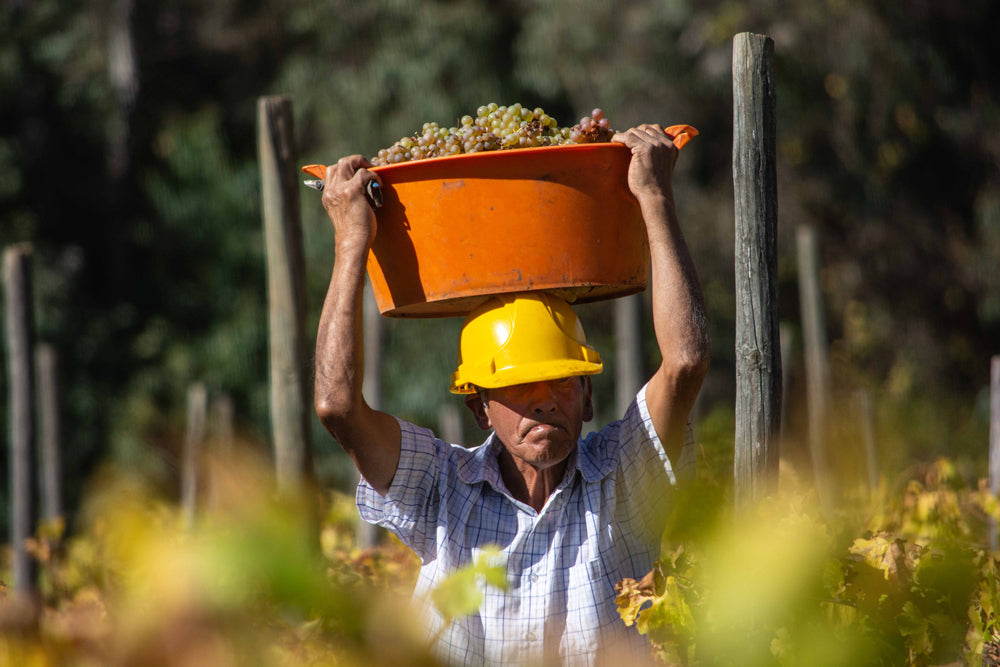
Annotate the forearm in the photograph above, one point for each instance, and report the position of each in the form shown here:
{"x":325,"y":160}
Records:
{"x":680,"y":324}
{"x":679,"y":318}
{"x":340,"y":342}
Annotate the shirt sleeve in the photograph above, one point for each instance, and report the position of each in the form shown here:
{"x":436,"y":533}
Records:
{"x":409,"y":507}
{"x":685,"y":466}
{"x":645,"y":472}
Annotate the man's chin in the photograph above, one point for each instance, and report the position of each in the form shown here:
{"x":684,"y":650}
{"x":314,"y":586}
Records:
{"x":548,"y":451}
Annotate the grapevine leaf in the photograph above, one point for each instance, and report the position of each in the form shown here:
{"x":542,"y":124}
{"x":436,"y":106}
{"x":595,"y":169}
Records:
{"x":461,"y":592}
{"x":915,"y":629}
{"x":458,"y":595}
{"x":490,"y":564}
{"x":884,"y":554}
{"x":630,"y":599}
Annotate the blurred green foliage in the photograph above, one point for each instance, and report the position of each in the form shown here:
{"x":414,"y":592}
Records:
{"x":902,"y":578}
{"x":136,"y":181}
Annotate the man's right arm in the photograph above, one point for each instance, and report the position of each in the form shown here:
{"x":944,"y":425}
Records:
{"x":370,"y":437}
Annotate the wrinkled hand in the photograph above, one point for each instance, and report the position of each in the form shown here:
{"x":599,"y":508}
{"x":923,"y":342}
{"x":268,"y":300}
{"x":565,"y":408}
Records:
{"x":654,"y":155}
{"x":345,"y":202}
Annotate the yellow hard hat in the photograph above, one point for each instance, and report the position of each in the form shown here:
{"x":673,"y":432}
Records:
{"x":518,"y":338}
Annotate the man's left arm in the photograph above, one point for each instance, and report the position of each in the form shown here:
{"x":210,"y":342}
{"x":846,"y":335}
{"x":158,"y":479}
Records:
{"x":678,"y":307}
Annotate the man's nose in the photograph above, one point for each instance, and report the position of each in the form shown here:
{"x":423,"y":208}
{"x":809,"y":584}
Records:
{"x":542,"y":399}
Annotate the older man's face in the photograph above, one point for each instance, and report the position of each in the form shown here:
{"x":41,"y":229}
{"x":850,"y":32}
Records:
{"x":538,"y":422}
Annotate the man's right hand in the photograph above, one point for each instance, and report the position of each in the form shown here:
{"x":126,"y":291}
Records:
{"x":347,"y":205}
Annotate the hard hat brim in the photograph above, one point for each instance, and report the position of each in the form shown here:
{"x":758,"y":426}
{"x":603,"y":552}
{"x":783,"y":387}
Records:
{"x":467,"y":380}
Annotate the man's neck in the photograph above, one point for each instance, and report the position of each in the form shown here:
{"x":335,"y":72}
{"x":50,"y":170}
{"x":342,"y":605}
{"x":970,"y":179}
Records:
{"x":527,"y":483}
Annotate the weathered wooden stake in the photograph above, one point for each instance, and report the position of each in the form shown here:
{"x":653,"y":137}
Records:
{"x":758,"y":354}
{"x":291,"y":404}
{"x":47,"y":364}
{"x":220,"y":447}
{"x":197,"y":407}
{"x":223,"y":424}
{"x":866,"y":419}
{"x":369,"y":535}
{"x":787,"y":344}
{"x":21,"y":383}
{"x":373,"y":349}
{"x":628,"y":351}
{"x":994,"y":441}
{"x":817,"y":361}
{"x":450,"y":424}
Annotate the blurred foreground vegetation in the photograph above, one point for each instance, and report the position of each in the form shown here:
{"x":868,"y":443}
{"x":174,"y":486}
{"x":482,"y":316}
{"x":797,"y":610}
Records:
{"x":900,"y":576}
{"x":128,"y":158}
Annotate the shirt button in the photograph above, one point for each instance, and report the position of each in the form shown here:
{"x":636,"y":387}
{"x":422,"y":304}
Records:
{"x":532,"y":577}
{"x":530,"y":636}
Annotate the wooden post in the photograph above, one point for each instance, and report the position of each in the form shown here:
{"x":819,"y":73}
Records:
{"x":223,"y":429}
{"x":994,"y":441}
{"x":373,"y":349}
{"x":21,"y":374}
{"x":817,"y":362}
{"x":220,"y":447}
{"x":291,"y":404}
{"x":866,"y":419}
{"x":197,"y":407}
{"x":369,"y":535}
{"x":628,"y":351}
{"x":758,"y":354}
{"x":47,"y":364}
{"x":450,"y":424}
{"x":787,"y":345}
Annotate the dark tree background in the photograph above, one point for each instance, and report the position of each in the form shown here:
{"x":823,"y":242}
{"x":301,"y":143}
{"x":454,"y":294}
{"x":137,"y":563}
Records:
{"x":127,"y":157}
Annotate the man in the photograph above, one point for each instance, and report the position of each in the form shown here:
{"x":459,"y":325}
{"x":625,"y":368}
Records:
{"x":571,"y":516}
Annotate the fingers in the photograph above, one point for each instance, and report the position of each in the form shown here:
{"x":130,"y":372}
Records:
{"x":650,"y":134}
{"x":350,"y":176}
{"x":347,"y":168}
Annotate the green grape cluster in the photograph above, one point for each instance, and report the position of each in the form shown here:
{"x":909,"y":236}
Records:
{"x":494,"y":128}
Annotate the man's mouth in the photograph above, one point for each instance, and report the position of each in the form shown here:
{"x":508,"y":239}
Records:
{"x":543,"y":427}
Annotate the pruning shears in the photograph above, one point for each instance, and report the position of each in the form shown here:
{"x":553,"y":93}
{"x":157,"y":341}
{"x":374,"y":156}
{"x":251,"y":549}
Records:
{"x":372,"y":189}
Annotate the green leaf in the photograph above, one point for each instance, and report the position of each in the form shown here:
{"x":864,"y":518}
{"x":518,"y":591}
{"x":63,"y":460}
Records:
{"x":458,"y":595}
{"x":491,"y":565}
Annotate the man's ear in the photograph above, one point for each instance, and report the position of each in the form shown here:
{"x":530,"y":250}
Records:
{"x":475,"y":403}
{"x":588,"y":402}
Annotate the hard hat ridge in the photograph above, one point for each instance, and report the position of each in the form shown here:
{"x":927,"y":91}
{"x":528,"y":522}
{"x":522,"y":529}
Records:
{"x":518,"y":338}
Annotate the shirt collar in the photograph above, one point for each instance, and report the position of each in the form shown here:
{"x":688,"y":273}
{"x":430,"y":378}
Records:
{"x":482,"y":463}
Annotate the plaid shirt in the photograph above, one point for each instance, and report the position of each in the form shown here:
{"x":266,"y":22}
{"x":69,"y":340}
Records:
{"x":599,"y":526}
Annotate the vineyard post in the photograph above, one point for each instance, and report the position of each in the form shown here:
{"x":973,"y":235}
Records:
{"x":628,"y":351}
{"x":223,"y":436}
{"x":21,"y":376}
{"x":866,"y":419}
{"x":291,"y":403}
{"x":197,"y":407}
{"x":758,"y":354}
{"x":994,"y":441}
{"x":817,"y":361}
{"x":368,"y":535}
{"x":450,"y":423}
{"x":787,"y":345}
{"x":47,"y":364}
{"x":220,"y":446}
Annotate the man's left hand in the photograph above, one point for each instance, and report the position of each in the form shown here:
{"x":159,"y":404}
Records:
{"x":654,"y":155}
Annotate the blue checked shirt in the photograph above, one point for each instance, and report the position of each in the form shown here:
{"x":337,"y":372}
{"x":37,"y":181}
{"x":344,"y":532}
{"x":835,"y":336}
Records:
{"x":599,"y":526}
